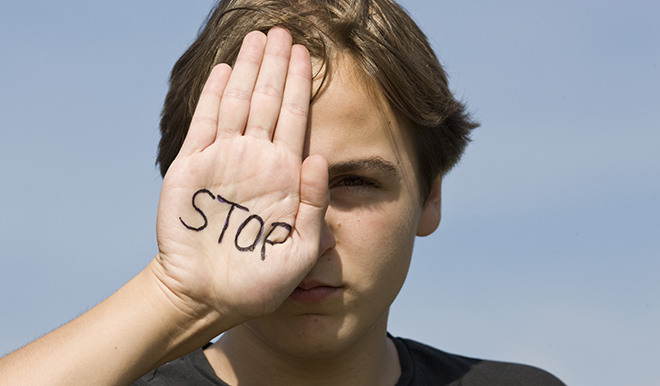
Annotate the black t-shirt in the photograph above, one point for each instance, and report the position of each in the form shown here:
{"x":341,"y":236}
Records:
{"x":421,"y":365}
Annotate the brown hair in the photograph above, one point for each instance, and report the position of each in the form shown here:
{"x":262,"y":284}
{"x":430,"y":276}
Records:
{"x":383,"y":41}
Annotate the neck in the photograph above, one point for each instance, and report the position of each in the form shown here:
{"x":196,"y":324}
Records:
{"x":371,"y":360}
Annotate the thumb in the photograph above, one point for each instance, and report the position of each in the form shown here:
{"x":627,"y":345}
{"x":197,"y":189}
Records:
{"x":314,"y":198}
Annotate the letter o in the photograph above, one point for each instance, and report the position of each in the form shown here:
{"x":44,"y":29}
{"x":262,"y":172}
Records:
{"x":256,"y":240}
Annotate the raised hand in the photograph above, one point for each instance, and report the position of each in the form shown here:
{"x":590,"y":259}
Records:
{"x":240,"y":213}
{"x":239,"y":224}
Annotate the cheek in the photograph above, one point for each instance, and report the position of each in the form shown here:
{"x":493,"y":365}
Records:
{"x":375,"y":247}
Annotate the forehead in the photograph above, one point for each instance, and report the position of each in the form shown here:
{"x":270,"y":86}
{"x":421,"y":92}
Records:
{"x":351,"y":120}
{"x":346,"y":98}
{"x":346,"y":76}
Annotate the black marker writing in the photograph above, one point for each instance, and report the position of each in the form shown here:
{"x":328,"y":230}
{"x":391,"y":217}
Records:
{"x":271,"y":242}
{"x":253,"y":217}
{"x":256,"y":240}
{"x":206,"y":221}
{"x":233,"y":205}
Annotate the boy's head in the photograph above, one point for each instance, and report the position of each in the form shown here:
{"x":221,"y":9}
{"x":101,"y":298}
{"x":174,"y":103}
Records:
{"x":390,"y":52}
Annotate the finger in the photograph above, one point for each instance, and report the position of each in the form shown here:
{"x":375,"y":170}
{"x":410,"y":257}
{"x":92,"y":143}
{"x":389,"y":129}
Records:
{"x":292,"y":122}
{"x":314,"y":198}
{"x":236,"y":98}
{"x":267,"y":95}
{"x":204,"y":124}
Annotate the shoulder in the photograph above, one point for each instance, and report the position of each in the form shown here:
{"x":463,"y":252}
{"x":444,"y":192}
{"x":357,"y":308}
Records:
{"x":192,"y":369}
{"x":424,"y":365}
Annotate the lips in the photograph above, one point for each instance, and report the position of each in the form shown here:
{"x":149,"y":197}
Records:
{"x":311,"y":290}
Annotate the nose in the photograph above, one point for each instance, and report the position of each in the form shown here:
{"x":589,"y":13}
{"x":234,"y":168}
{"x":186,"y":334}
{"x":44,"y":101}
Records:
{"x":327,"y":239}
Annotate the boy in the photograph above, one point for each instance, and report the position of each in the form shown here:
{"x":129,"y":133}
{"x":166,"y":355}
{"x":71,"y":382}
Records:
{"x":285,"y":224}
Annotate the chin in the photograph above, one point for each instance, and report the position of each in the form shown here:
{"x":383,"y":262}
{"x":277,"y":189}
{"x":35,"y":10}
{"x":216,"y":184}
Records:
{"x":310,"y":337}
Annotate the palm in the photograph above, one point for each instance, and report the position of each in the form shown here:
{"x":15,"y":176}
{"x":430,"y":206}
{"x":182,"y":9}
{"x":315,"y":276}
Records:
{"x":234,"y":231}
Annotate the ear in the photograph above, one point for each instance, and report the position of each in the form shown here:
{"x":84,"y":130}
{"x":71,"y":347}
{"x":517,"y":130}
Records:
{"x":431,"y":211}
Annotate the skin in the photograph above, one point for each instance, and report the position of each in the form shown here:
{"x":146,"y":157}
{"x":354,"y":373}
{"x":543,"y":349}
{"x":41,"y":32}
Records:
{"x":373,"y":216}
{"x":253,"y":141}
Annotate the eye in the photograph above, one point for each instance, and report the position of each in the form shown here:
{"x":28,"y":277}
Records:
{"x":355,"y":182}
{"x":350,"y":190}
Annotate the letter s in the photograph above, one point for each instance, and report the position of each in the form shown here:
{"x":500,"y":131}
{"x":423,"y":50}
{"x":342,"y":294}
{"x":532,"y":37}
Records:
{"x":206,"y":221}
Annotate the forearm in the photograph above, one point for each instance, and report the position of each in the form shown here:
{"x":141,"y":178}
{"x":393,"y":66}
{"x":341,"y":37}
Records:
{"x":133,"y":331}
{"x":201,"y":286}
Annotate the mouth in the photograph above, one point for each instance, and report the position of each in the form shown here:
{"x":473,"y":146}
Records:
{"x":313,"y":294}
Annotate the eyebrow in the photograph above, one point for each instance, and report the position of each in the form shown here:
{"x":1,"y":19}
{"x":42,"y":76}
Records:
{"x":375,"y":164}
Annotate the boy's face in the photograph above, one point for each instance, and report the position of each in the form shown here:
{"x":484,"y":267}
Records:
{"x":374,"y":213}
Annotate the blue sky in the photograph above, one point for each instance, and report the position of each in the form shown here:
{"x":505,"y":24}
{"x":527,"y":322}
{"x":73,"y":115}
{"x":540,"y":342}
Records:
{"x":549,"y":248}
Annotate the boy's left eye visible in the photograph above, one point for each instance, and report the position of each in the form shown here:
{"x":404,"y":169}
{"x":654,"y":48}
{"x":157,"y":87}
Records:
{"x":355,"y":181}
{"x":354,"y":190}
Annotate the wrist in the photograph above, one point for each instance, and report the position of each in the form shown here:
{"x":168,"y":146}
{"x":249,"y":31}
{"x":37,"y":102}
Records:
{"x":177,"y":325}
{"x":135,"y":330}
